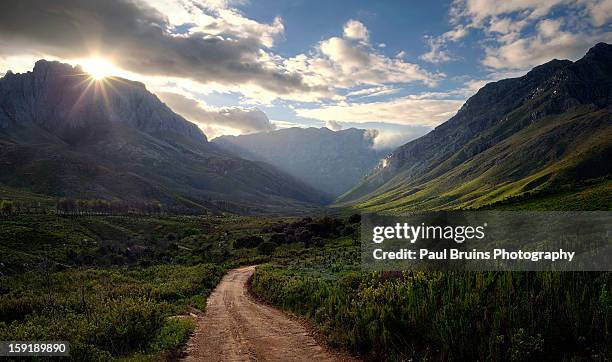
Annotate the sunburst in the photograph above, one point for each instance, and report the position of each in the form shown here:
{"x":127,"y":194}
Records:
{"x":98,"y":68}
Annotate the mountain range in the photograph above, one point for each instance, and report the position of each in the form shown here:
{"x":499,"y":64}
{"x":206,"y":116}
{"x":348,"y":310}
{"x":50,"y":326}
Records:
{"x":331,"y":161}
{"x":64,"y":134}
{"x":539,"y":133}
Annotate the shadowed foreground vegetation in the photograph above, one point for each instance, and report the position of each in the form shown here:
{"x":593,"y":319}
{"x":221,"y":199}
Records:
{"x":507,"y":316}
{"x":113,"y":286}
{"x":458,"y":316}
{"x":105,"y":313}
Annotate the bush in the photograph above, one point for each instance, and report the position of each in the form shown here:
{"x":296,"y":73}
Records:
{"x":278,"y":238}
{"x":247,"y":242}
{"x":354,"y":219}
{"x":266,"y":248}
{"x":172,"y":335}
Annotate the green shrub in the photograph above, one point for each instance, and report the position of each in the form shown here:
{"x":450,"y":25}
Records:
{"x":172,"y":335}
{"x":266,"y":248}
{"x":248,"y":242}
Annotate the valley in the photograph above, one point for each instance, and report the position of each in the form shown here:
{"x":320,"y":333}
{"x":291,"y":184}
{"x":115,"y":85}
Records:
{"x":127,"y":232}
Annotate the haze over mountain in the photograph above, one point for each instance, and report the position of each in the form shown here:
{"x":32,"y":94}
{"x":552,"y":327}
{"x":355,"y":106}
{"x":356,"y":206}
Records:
{"x":537,"y":133}
{"x":62,"y":133}
{"x":331,"y":161}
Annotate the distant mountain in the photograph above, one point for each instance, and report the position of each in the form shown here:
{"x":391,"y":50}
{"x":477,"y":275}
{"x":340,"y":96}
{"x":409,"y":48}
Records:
{"x":538,"y":133}
{"x":332,"y":162}
{"x":65,"y":134}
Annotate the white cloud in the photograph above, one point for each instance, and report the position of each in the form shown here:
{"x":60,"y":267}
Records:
{"x":346,"y":62}
{"x":547,"y":43}
{"x":436,"y":54}
{"x":354,"y":29}
{"x":333,"y":125}
{"x":525,"y":33}
{"x":215,"y":121}
{"x":391,"y":139}
{"x":372,"y":92}
{"x":425,"y":110}
{"x":437,"y":45}
{"x":206,"y":42}
{"x":285,"y":124}
{"x":217,"y":18}
{"x":478,"y":11}
{"x":599,"y":11}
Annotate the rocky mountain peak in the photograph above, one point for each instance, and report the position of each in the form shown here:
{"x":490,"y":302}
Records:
{"x":58,"y":96}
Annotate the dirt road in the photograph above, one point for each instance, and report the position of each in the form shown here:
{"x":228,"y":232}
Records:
{"x":235,"y":327}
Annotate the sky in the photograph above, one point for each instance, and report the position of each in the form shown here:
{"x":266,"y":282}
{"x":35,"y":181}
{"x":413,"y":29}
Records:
{"x":235,"y":67}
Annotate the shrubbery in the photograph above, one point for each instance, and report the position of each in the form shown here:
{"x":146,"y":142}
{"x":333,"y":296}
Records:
{"x":457,"y":316}
{"x":248,"y":242}
{"x":266,"y":248}
{"x":309,"y":231}
{"x":104,"y":313}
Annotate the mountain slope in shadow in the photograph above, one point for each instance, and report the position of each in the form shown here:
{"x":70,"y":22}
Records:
{"x":64,"y":134}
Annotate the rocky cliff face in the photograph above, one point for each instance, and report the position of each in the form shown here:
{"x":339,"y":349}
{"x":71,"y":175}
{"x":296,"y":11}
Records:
{"x":59,"y":97}
{"x":494,"y":115}
{"x":332,"y":162}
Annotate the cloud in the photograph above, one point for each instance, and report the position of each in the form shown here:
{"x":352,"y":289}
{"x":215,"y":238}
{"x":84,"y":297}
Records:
{"x":525,"y":33}
{"x":425,"y":110}
{"x":436,"y":53}
{"x":600,"y":11}
{"x":547,"y":43}
{"x":477,"y":12}
{"x":216,"y":121}
{"x":354,"y":29}
{"x":384,"y":139}
{"x":437,"y":45}
{"x":285,"y":124}
{"x":222,"y":46}
{"x":350,"y":61}
{"x":207,"y":43}
{"x":333,"y":125}
{"x":372,"y":92}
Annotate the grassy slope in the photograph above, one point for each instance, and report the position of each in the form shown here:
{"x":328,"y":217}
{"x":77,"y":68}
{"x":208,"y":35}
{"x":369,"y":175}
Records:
{"x":519,"y":164}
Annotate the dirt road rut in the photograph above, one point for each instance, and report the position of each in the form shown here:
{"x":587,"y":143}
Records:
{"x":235,"y":327}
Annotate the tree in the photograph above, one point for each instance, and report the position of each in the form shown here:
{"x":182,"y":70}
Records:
{"x":248,"y":242}
{"x":266,"y":248}
{"x":354,"y":219}
{"x":7,"y":207}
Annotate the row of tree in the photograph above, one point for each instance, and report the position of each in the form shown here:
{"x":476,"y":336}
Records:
{"x":8,"y":207}
{"x":67,"y":206}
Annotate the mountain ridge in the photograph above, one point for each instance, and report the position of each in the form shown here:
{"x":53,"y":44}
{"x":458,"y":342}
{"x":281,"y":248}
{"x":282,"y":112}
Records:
{"x":559,"y":97}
